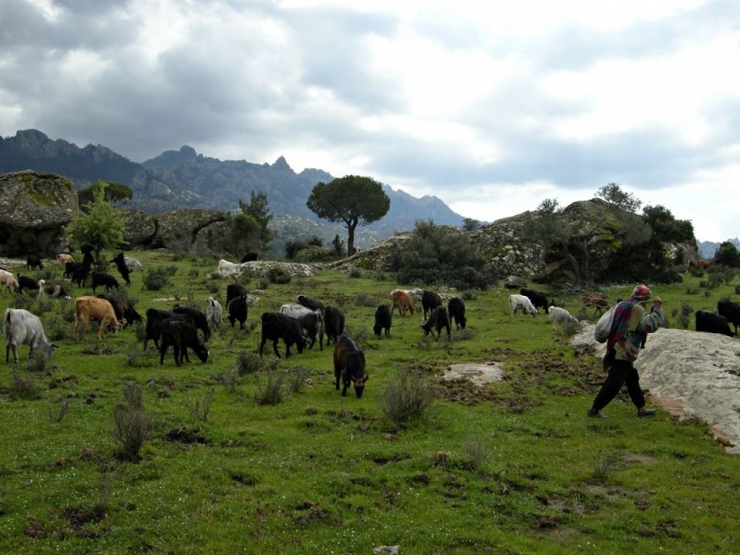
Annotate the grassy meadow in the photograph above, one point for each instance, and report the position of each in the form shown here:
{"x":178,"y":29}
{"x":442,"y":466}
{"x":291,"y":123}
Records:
{"x":249,"y":458}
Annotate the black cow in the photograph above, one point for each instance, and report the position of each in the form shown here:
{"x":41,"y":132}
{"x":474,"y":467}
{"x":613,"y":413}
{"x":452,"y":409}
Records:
{"x":33,"y":262}
{"x":181,"y":335}
{"x":711,"y":322}
{"x":276,"y":326}
{"x":430,"y":300}
{"x":249,"y":257}
{"x":101,"y":279}
{"x":438,"y":319}
{"x":456,"y":312}
{"x":333,"y":324}
{"x":383,"y":320}
{"x":197,"y":318}
{"x":349,"y":366}
{"x":120,"y":263}
{"x":539,"y":300}
{"x":237,"y":309}
{"x":312,"y":326}
{"x":25,"y":282}
{"x":313,"y":304}
{"x":731,"y":311}
{"x":234,"y":290}
{"x":80,"y":275}
{"x":124,"y":310}
{"x":155,"y":319}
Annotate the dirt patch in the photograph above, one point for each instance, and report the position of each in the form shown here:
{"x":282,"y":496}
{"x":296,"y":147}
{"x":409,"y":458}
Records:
{"x":476,"y":372}
{"x":186,"y":436}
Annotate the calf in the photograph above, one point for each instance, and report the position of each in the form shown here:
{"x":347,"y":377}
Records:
{"x":80,"y":274}
{"x":313,"y":304}
{"x":101,"y":279}
{"x":559,"y":315}
{"x":333,"y":324}
{"x":539,"y":300}
{"x":229,"y":269}
{"x":25,"y":282}
{"x":520,"y":302}
{"x":53,"y":289}
{"x":731,"y":311}
{"x":234,"y":290}
{"x":89,"y":308}
{"x":401,"y":301}
{"x":711,"y":322}
{"x":33,"y":262}
{"x":237,"y":309}
{"x":214,"y":313}
{"x":598,"y":301}
{"x":124,"y":310}
{"x":276,"y":326}
{"x":429,"y":301}
{"x":349,"y":365}
{"x":21,"y":327}
{"x":312,"y":326}
{"x":438,"y":319}
{"x":120,"y":263}
{"x":197,"y":319}
{"x":9,"y":281}
{"x":181,"y":335}
{"x":63,"y":258}
{"x":383,"y":320}
{"x":456,"y":312}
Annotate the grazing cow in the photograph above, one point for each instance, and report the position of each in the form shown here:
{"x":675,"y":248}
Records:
{"x":80,"y":275}
{"x":559,"y":315}
{"x":196,"y":318}
{"x":21,"y":327}
{"x":101,"y":279}
{"x":333,"y":324}
{"x":312,"y":326}
{"x":63,"y":258}
{"x":276,"y":326}
{"x":429,"y":301}
{"x":214,"y":313}
{"x":598,"y":301}
{"x":154,"y":321}
{"x":88,"y":308}
{"x":33,"y":262}
{"x":125,"y":312}
{"x":120,"y":263}
{"x":249,"y":257}
{"x":234,"y":290}
{"x":25,"y":282}
{"x":313,"y":304}
{"x":383,"y":320}
{"x":229,"y":269}
{"x":8,"y":280}
{"x":520,"y":302}
{"x":401,"y":301}
{"x":295,"y":310}
{"x":132,"y":264}
{"x":349,"y":366}
{"x":438,"y":320}
{"x":53,"y":289}
{"x":237,"y":309}
{"x":731,"y":311}
{"x":181,"y":335}
{"x":711,"y":322}
{"x":539,"y":299}
{"x":456,"y":312}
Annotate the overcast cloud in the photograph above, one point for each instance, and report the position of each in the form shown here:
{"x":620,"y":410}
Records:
{"x":490,"y":106}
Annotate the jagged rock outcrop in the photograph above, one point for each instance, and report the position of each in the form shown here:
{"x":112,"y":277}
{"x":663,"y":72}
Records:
{"x":39,"y":202}
{"x":178,"y":230}
{"x":140,"y":228}
{"x":689,"y":374}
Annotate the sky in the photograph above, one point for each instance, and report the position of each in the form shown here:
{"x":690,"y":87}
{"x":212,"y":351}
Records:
{"x":491,"y":106}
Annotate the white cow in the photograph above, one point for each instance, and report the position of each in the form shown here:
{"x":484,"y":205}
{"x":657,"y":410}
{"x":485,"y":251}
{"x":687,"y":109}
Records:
{"x":520,"y":302}
{"x":560,"y":316}
{"x":229,"y":269}
{"x":132,"y":264}
{"x":295,"y":310}
{"x":20,"y":327}
{"x":8,"y":280}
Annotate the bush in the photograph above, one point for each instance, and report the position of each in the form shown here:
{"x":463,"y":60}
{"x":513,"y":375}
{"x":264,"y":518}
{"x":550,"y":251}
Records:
{"x":200,"y":408}
{"x":293,"y":247}
{"x":58,"y":409}
{"x":156,"y":279}
{"x":279,"y":276}
{"x":23,"y":386}
{"x":409,"y":399}
{"x":270,"y":383}
{"x":132,"y":424}
{"x":248,"y":363}
{"x":297,"y":377}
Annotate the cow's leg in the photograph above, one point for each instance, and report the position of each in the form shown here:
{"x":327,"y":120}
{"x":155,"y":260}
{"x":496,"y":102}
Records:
{"x":274,"y":348}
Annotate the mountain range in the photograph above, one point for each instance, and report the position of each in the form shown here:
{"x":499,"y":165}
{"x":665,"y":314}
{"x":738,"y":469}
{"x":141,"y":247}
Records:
{"x":185,"y":179}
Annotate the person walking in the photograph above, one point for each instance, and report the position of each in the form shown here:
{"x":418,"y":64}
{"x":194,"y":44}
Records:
{"x":630,"y":326}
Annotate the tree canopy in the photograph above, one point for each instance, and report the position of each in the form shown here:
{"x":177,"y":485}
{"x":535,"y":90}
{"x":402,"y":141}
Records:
{"x":354,"y":200}
{"x":100,"y":226}
{"x":727,"y":255}
{"x":112,"y":193}
{"x":613,"y":194}
{"x":250,"y":225}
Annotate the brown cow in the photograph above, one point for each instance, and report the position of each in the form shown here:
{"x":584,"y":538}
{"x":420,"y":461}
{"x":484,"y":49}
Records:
{"x":597,"y":301}
{"x":63,"y":258}
{"x":349,"y":365}
{"x":401,"y":301}
{"x":87,"y":308}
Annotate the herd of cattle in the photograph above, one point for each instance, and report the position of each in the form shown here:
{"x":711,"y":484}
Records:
{"x":299,"y":324}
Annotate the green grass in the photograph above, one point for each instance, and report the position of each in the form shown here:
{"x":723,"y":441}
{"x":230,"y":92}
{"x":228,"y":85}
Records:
{"x":514,"y":467}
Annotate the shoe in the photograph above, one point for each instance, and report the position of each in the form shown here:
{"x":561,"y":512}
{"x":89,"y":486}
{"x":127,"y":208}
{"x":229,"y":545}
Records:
{"x":596,"y":414}
{"x":645,"y":412}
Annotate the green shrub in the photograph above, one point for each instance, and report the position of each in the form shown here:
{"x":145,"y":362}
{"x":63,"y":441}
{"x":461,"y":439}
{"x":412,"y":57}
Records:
{"x":22,"y":385}
{"x":410,"y":398}
{"x":297,"y":377}
{"x":200,"y":408}
{"x":156,"y":279}
{"x":248,"y":363}
{"x":270,"y":384}
{"x":132,"y":424}
{"x":57,"y":409}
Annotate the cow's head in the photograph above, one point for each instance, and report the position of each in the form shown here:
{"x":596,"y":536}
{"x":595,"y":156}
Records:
{"x":359,"y":384}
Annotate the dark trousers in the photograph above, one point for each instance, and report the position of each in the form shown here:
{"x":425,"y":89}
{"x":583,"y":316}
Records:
{"x":621,"y":372}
